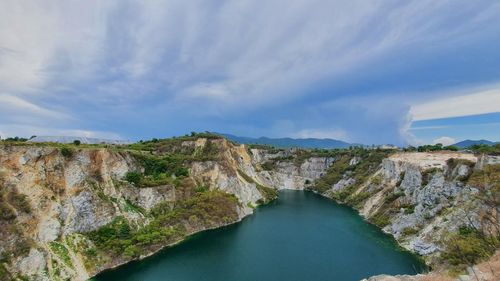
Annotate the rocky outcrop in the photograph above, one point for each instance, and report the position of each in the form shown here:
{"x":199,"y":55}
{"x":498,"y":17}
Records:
{"x":84,"y":190}
{"x":286,"y":174}
{"x":53,"y":198}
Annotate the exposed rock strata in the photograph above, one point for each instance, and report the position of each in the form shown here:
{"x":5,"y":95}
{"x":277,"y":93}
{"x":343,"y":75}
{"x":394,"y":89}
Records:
{"x":81,"y":193}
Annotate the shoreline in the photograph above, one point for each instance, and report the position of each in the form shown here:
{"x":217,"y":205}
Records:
{"x":188,"y":236}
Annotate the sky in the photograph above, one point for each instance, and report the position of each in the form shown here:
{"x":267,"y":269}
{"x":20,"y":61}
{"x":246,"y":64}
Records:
{"x":372,"y":72}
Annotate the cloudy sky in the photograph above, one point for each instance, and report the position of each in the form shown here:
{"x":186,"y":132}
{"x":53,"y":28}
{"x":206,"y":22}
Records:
{"x":361,"y":71}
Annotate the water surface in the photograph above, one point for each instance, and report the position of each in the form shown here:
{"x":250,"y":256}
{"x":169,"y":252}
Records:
{"x":301,"y":236}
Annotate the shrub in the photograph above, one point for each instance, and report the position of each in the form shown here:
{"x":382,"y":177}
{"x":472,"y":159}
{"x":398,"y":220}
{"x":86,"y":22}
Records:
{"x":77,"y":142}
{"x":133,"y":177}
{"x":66,"y":152}
{"x":6,"y":213}
{"x":409,"y":210}
{"x":268,"y":165}
{"x":393,"y":196}
{"x":268,"y":193}
{"x":203,"y":210}
{"x":182,"y":172}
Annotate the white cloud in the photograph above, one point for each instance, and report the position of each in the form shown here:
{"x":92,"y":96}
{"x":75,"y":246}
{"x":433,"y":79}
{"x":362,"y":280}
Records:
{"x":236,"y":56}
{"x":444,"y":141}
{"x":12,"y":130}
{"x":15,"y":105}
{"x":456,"y":106}
{"x":337,"y":134}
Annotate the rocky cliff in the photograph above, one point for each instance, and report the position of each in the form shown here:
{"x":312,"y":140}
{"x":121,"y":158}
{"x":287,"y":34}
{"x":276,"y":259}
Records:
{"x":69,"y":212}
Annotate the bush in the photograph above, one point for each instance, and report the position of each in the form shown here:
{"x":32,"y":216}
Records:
{"x":268,"y":193}
{"x":77,"y":142}
{"x":133,"y":177}
{"x":203,"y":210}
{"x":20,"y":202}
{"x":393,"y":196}
{"x":182,"y":172}
{"x":66,"y":152}
{"x":268,"y":165}
{"x":6,"y":213}
{"x":410,"y":210}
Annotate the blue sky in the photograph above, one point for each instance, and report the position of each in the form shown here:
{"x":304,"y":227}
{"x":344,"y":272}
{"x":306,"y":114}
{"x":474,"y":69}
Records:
{"x":361,"y":71}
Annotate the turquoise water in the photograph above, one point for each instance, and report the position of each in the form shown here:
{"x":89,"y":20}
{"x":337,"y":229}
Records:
{"x":300,"y":236}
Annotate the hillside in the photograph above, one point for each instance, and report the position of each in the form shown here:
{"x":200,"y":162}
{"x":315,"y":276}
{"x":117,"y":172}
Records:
{"x":469,"y":143}
{"x":69,"y":212}
{"x":290,"y":142}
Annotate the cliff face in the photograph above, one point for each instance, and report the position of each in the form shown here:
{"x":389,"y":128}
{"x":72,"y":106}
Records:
{"x":442,"y":205}
{"x":71,"y":213}
{"x":55,"y":200}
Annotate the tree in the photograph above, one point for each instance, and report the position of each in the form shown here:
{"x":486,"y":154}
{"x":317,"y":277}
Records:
{"x":77,"y":142}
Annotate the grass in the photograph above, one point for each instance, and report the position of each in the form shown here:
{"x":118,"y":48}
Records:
{"x":62,"y":252}
{"x":468,"y":246}
{"x":380,"y":219}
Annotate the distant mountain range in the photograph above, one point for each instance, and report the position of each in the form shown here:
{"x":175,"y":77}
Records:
{"x":67,"y":139}
{"x":291,"y":142}
{"x":468,"y":143}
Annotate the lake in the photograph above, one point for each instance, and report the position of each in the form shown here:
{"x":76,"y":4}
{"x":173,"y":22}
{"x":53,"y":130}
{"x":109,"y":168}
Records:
{"x":299,"y":237}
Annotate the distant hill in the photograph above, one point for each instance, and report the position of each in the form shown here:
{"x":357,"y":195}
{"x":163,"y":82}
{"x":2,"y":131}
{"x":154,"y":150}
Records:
{"x":68,"y":139}
{"x":468,"y":143}
{"x":291,"y":142}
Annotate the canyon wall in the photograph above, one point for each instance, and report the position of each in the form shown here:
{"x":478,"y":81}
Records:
{"x":71,"y":213}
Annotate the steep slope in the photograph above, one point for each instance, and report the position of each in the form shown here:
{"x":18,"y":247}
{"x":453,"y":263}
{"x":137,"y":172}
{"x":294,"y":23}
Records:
{"x":434,"y":204}
{"x":69,"y":212}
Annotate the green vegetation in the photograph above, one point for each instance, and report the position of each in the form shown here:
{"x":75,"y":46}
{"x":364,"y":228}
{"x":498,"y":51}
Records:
{"x":15,"y":139}
{"x":12,"y":198}
{"x":468,"y":247}
{"x":486,"y":149}
{"x":370,"y":161}
{"x":204,"y":210}
{"x":409,"y":209}
{"x":430,"y":147}
{"x":77,"y":142}
{"x":268,"y":165}
{"x":408,"y":231}
{"x":158,"y":170}
{"x":4,"y":274}
{"x":202,"y":188}
{"x":268,"y":194}
{"x":66,"y":152}
{"x":380,"y":220}
{"x":133,"y":177}
{"x":393,"y":196}
{"x":62,"y":252}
